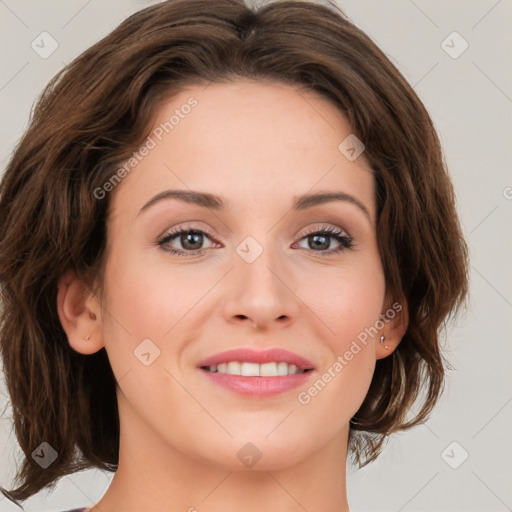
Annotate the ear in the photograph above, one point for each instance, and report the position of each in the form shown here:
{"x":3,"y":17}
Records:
{"x":395,"y":318}
{"x":80,"y":314}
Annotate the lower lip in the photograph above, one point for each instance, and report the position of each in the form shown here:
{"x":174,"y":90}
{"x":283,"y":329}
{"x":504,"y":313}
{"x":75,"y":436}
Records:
{"x":258,"y":386}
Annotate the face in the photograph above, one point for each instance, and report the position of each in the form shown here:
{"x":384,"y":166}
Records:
{"x":253,"y":267}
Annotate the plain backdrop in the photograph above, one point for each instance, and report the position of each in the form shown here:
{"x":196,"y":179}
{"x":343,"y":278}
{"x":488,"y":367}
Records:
{"x":461,"y":459}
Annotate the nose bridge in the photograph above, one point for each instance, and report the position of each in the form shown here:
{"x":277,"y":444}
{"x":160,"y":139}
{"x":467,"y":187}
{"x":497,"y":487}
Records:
{"x":260,"y":292}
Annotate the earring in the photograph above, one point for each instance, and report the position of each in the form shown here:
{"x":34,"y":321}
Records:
{"x":382,"y":338}
{"x":87,"y":338}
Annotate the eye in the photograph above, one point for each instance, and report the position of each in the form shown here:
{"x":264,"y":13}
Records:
{"x":319,"y":240}
{"x":190,"y":240}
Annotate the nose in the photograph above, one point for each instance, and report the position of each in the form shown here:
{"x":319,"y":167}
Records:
{"x":261,"y":294}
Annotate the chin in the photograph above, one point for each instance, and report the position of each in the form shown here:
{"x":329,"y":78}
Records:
{"x":258,"y":453}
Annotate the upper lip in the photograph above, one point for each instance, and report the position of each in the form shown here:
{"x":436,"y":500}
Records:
{"x":258,"y":356}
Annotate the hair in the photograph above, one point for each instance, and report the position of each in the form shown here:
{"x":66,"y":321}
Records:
{"x":96,"y":111}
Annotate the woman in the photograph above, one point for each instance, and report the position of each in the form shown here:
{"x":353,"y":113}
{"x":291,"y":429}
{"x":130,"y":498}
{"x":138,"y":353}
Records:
{"x":228,"y":243}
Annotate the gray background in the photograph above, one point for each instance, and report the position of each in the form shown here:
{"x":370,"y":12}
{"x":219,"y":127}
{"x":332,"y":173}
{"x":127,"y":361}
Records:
{"x":470,"y":101}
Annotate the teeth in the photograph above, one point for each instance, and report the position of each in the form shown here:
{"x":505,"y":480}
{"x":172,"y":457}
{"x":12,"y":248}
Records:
{"x":282,"y":369}
{"x":233,"y":368}
{"x":274,"y":369}
{"x":268,"y":370}
{"x":249,"y":370}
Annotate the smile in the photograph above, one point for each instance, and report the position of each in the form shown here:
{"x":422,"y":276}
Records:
{"x":258,"y":373}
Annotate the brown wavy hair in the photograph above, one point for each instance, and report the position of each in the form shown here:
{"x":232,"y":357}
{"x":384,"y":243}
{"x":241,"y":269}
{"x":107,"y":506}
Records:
{"x":92,"y":116}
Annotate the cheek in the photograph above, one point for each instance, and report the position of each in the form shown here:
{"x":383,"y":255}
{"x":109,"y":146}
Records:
{"x":143,"y":309}
{"x":150,"y":300}
{"x":347,"y":299}
{"x":350,"y":307}
{"x":157,"y":302}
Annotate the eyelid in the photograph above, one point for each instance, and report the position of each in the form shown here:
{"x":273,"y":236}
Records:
{"x":192,"y":227}
{"x":325,"y":227}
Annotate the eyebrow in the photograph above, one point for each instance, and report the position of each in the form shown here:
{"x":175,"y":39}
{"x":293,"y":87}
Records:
{"x":211,"y":201}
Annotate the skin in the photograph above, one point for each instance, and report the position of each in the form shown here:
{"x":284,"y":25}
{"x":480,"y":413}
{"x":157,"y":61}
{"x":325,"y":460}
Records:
{"x":180,"y":434}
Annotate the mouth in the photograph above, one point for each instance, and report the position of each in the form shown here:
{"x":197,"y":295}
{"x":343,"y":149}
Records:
{"x":258,"y":373}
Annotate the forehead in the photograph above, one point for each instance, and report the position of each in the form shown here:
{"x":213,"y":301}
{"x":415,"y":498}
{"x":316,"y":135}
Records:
{"x":248,"y":142}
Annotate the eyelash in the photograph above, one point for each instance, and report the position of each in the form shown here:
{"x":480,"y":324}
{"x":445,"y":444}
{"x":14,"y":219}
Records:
{"x":345,"y":240}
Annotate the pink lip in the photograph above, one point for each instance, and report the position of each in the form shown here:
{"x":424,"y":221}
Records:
{"x":258,"y":386}
{"x":258,"y":356}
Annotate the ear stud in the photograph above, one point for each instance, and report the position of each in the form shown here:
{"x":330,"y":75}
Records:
{"x":382,"y":338}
